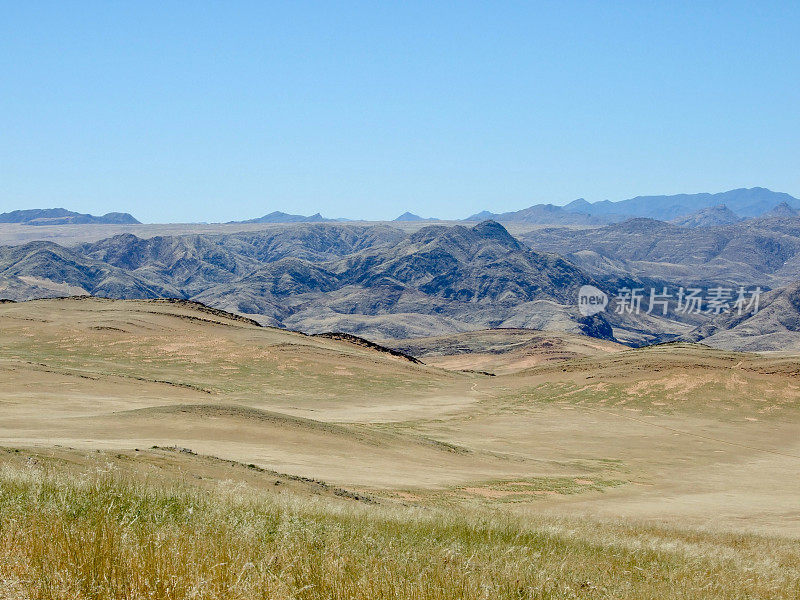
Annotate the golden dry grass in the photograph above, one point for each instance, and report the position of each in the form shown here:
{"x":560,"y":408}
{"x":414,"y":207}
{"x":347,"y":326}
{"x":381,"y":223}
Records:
{"x":105,"y":535}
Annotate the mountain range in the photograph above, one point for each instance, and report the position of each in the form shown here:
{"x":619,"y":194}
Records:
{"x":692,"y":210}
{"x":745,"y":202}
{"x":380,"y":282}
{"x":543,"y":214}
{"x":62,"y":216}
{"x":366,"y":280}
{"x":282,"y":217}
{"x":763,"y":251}
{"x":384,"y":281}
{"x":696,"y":210}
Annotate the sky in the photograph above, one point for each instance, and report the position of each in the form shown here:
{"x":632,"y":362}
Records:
{"x":218,"y":111}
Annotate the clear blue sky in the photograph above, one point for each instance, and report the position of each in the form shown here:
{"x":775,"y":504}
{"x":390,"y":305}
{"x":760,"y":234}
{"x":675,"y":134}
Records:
{"x":209,"y":111}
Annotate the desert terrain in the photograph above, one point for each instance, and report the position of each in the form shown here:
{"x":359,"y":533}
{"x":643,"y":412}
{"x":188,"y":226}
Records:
{"x":678,"y":448}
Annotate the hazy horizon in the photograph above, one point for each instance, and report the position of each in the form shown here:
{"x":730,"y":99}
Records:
{"x":358,"y":218}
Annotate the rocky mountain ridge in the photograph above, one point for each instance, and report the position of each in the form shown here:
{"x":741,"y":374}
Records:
{"x":377,"y":281}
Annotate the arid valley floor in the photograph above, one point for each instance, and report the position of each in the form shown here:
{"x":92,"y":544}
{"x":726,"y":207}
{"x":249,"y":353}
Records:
{"x":678,"y":460}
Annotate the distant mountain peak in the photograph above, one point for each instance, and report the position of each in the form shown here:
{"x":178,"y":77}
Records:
{"x":580,"y":205}
{"x":481,"y":216}
{"x":62,"y":216}
{"x":282,"y":217}
{"x":494,"y":230}
{"x":485,"y":232}
{"x":712,"y":216}
{"x":781,"y":211}
{"x":409,"y":216}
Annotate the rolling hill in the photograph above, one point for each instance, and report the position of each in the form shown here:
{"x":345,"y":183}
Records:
{"x":140,"y":438}
{"x":501,"y":351}
{"x":569,"y":426}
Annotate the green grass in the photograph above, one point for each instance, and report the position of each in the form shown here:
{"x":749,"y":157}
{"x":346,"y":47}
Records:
{"x":103,"y":536}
